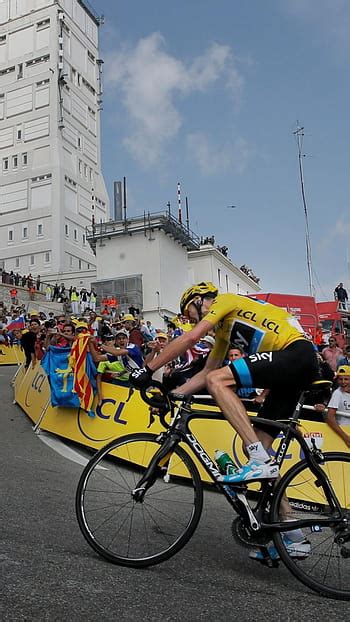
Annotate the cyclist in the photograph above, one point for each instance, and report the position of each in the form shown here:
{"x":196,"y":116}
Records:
{"x":279,"y":358}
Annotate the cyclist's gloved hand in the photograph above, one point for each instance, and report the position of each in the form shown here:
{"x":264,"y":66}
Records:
{"x":141,"y":378}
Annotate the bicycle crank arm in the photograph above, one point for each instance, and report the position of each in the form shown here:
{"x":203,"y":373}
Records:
{"x":254,"y":523}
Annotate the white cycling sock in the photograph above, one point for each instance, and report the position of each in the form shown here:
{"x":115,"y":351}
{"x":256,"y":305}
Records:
{"x":257,"y":452}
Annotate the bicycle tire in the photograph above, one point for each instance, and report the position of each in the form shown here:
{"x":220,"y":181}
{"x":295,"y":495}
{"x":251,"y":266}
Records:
{"x":326,"y":558}
{"x":132,"y":533}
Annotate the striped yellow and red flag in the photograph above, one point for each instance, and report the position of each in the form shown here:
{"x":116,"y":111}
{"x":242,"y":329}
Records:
{"x":77,"y":361}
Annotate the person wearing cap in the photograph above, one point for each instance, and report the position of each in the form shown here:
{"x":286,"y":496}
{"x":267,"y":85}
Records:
{"x":107,"y":364}
{"x":157,"y":346}
{"x":339,"y":404}
{"x":280,"y":358}
{"x":128,"y":353}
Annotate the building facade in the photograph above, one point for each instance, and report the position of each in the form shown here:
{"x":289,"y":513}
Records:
{"x":147,"y":262}
{"x":50,"y":166}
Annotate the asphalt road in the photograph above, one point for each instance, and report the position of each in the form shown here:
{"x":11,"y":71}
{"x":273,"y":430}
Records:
{"x":48,"y":572}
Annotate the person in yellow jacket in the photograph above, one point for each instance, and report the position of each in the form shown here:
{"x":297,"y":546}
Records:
{"x":75,"y":301}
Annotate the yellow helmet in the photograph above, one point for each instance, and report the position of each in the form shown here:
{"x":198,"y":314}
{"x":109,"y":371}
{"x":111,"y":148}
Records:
{"x":205,"y":288}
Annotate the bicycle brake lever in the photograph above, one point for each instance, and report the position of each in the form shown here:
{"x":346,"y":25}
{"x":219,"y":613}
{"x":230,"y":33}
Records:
{"x":130,"y":394}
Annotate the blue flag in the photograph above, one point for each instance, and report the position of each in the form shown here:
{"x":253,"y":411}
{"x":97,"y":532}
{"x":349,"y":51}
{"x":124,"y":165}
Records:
{"x":60,"y":377}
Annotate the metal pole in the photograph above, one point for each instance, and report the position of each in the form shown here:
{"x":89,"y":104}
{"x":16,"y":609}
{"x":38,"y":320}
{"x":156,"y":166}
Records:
{"x":299,"y":133}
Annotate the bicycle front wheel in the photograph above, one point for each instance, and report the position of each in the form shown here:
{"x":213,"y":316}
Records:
{"x":149,"y":530}
{"x":322,"y":562}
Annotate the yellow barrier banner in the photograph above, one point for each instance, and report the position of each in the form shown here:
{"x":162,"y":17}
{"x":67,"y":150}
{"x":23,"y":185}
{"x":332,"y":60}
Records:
{"x":118,"y":416}
{"x":11,"y":355}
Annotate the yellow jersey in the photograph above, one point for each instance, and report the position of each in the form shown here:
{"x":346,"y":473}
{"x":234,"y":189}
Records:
{"x":256,"y":325}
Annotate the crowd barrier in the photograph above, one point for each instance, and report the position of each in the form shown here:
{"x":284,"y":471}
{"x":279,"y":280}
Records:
{"x":11,"y":355}
{"x":118,"y":416}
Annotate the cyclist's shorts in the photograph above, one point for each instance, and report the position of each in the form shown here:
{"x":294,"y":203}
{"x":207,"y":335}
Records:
{"x":285,"y":372}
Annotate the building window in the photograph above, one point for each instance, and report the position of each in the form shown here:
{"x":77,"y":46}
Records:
{"x":226,"y":278}
{"x":219,"y":277}
{"x":10,"y":235}
{"x":24,"y":159}
{"x":40,"y":229}
{"x":20,"y":71}
{"x":32,"y":260}
{"x":24,"y":232}
{"x":5,"y":164}
{"x":19,"y":133}
{"x":85,"y":170}
{"x":84,"y":239}
{"x":14,"y":161}
{"x":75,"y":235}
{"x":88,"y":266}
{"x":47,"y":257}
{"x":17,"y":262}
{"x":71,"y":261}
{"x":80,"y":166}
{"x":2,"y":39}
{"x":79,"y":264}
{"x":66,"y":230}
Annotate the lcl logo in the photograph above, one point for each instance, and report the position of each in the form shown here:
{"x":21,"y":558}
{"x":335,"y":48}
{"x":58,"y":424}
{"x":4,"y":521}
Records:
{"x":38,"y":382}
{"x":117,"y":410}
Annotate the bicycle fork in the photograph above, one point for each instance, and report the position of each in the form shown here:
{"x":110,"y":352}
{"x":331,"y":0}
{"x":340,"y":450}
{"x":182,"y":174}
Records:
{"x":159,"y":459}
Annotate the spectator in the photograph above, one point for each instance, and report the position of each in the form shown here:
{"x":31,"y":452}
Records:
{"x":345,"y":360}
{"x":93,"y":300}
{"x":75,"y":301}
{"x":107,"y":364}
{"x":24,"y":281}
{"x":38,"y":283}
{"x":93,"y":323}
{"x":135,"y":335}
{"x":13,"y":295}
{"x":157,"y":346}
{"x":61,"y":293}
{"x":332,"y":353}
{"x":105,"y":310}
{"x":31,"y":290}
{"x":234,"y":352}
{"x":17,"y":279}
{"x":130,"y":354}
{"x":56,"y":291}
{"x":341,"y":295}
{"x":28,"y":341}
{"x":84,"y":300}
{"x":48,"y":293}
{"x":340,"y":403}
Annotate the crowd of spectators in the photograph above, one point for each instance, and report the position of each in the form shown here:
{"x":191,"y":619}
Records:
{"x":121,"y":342}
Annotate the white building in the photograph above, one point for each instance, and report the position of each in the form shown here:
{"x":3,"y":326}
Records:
{"x":51,"y":185}
{"x":147,"y":262}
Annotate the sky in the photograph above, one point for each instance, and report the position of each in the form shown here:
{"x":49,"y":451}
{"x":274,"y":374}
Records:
{"x":208,"y":94}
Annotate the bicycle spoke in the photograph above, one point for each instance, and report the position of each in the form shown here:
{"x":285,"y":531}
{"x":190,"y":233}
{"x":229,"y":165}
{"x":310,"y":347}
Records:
{"x":150,"y":525}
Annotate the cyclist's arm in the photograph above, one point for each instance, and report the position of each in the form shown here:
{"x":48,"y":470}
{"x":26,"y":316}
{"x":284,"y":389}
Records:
{"x":332,"y":422}
{"x":180,"y":345}
{"x":198,"y":381}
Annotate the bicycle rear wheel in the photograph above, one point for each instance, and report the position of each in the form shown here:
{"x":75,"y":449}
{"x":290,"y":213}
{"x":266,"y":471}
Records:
{"x":132,"y":532}
{"x":326,"y":565}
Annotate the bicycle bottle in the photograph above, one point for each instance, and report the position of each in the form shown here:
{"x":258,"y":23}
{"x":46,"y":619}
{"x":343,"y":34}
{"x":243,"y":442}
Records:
{"x":225,"y":464}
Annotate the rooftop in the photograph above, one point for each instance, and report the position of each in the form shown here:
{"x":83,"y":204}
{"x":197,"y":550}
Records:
{"x":98,"y":19}
{"x":146,"y":224}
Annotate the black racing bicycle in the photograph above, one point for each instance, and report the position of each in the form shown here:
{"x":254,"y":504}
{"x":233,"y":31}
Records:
{"x":139,"y":499}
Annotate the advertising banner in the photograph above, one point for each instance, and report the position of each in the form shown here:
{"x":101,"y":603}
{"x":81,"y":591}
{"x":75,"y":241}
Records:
{"x":117,"y":416}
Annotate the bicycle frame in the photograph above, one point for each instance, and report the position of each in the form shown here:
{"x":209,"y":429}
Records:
{"x":179,"y":431}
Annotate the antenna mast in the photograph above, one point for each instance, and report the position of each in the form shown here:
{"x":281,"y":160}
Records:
{"x":299,"y":134}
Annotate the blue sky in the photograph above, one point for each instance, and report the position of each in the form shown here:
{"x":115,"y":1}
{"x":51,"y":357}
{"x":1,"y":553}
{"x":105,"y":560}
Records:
{"x":208,"y":94}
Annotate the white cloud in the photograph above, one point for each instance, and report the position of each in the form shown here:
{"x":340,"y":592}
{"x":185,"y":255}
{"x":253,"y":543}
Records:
{"x":214,"y":159}
{"x":329,"y":19}
{"x":337,"y":233}
{"x":150,"y":81}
